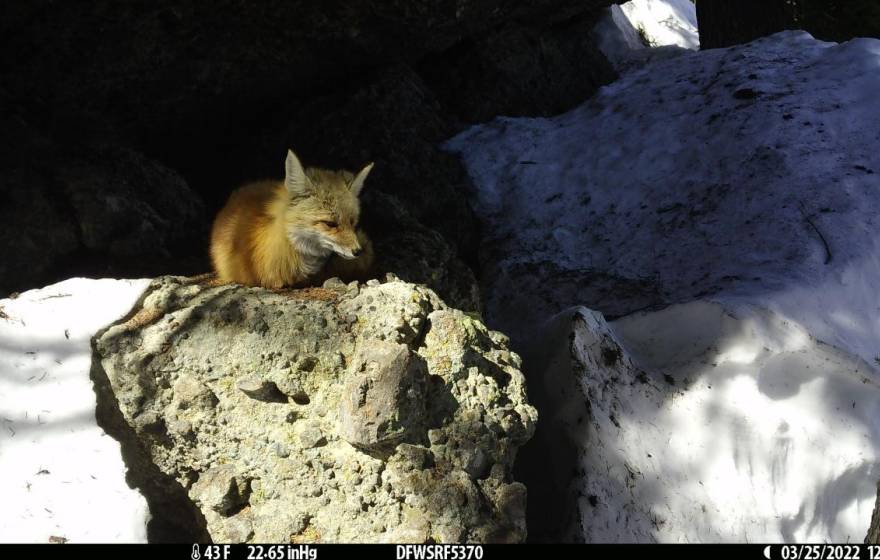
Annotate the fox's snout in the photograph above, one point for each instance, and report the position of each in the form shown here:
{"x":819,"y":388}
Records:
{"x":355,"y":246}
{"x":350,"y":253}
{"x":347,"y":247}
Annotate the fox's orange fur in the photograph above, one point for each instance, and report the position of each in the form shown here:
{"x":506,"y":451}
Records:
{"x":294,"y":232}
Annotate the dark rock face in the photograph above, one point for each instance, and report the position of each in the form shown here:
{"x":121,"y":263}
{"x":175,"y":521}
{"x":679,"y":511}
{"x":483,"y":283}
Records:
{"x":89,"y":209}
{"x":177,"y":65}
{"x":203,"y":98}
{"x":418,"y":254}
{"x":128,"y":206}
{"x":521,"y":70}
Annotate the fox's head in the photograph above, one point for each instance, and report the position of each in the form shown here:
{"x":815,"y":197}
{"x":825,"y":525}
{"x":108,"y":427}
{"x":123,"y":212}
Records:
{"x":323,"y":209}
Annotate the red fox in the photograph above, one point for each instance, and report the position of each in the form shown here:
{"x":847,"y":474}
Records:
{"x":294,"y":232}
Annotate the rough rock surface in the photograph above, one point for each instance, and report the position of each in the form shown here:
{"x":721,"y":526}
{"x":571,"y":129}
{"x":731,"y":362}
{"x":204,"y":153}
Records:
{"x":344,"y":413}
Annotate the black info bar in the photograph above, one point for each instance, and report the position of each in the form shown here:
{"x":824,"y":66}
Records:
{"x":301,"y":551}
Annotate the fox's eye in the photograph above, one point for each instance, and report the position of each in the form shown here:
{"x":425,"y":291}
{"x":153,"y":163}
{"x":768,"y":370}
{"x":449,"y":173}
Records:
{"x":329,"y":223}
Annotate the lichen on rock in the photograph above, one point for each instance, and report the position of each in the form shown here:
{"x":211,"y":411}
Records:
{"x":360,"y":413}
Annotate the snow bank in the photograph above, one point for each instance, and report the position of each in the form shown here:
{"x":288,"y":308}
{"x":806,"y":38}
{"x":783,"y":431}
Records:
{"x":62,"y":475}
{"x":743,"y":185}
{"x":625,"y":33}
{"x":705,"y":426}
{"x":664,"y":22}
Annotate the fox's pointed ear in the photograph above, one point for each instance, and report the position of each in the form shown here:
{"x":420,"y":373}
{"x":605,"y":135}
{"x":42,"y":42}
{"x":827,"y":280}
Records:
{"x":358,"y":183}
{"x":294,"y":176}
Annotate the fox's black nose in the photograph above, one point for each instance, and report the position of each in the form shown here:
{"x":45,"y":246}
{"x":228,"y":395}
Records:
{"x":357,"y":252}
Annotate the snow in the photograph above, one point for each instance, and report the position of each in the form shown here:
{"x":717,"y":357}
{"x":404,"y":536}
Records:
{"x":617,"y":38}
{"x":62,"y":475}
{"x":665,"y":22}
{"x":670,"y":26}
{"x":714,"y":427}
{"x":720,"y":209}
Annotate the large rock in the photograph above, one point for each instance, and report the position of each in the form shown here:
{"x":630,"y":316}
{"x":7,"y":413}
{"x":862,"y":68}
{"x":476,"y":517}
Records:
{"x":756,"y":211}
{"x":347,"y":413}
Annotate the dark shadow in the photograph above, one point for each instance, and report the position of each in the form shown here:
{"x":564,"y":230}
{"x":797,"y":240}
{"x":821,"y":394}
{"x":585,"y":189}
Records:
{"x":548,"y":463}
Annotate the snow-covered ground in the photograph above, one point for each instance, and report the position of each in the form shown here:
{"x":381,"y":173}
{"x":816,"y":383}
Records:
{"x":742,"y":187}
{"x":63,"y":477}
